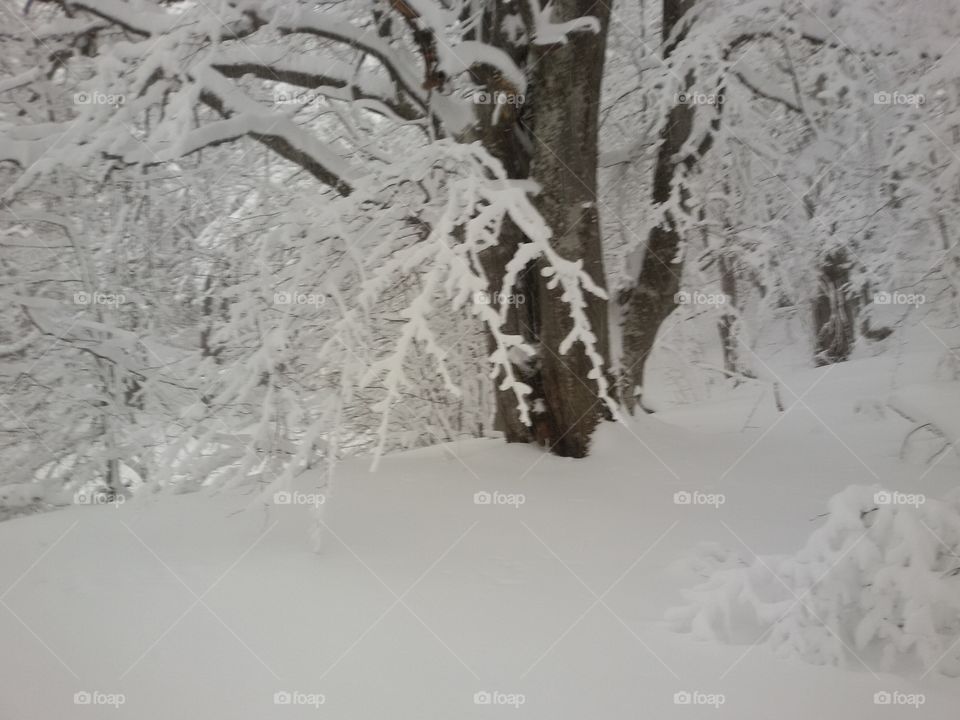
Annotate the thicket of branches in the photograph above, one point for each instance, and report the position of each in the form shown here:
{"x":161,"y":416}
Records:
{"x":244,"y":238}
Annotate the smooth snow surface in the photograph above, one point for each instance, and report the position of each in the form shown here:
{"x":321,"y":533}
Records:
{"x":551,"y":597}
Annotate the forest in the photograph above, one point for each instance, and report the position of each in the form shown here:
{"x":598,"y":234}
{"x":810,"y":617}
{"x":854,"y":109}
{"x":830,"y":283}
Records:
{"x":598,"y":358}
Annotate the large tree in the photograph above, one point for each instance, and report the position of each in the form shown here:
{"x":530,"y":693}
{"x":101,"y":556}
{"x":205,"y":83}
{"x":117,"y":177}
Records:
{"x":521,"y":79}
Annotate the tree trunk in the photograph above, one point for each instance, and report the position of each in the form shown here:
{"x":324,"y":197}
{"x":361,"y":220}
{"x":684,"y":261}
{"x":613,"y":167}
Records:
{"x":733,"y":361}
{"x":501,"y":142}
{"x":555,"y":142}
{"x":518,"y":322}
{"x":652,"y":296}
{"x":834,"y":311}
{"x":567,"y":81}
{"x":501,"y":135}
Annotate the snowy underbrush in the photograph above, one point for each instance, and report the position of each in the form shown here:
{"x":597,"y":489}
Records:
{"x":18,"y":499}
{"x":877,"y":583}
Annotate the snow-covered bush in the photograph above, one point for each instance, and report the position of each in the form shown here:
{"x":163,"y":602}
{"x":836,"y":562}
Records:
{"x":878,"y":582}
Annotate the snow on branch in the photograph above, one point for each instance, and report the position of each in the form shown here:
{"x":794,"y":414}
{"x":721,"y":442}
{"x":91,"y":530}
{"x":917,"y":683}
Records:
{"x":468,"y":53}
{"x":24,"y":78}
{"x":275,"y":64}
{"x":247,"y":117}
{"x":470,"y":198}
{"x":878,"y":582}
{"x":547,"y":32}
{"x":398,"y":62}
{"x":138,"y":20}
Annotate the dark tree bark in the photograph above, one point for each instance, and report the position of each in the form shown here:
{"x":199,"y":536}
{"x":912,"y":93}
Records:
{"x":727,"y":327}
{"x":835,"y":307}
{"x":651,"y":298}
{"x":565,"y":123}
{"x":834,"y":311}
{"x":503,"y":138}
{"x":553,"y":138}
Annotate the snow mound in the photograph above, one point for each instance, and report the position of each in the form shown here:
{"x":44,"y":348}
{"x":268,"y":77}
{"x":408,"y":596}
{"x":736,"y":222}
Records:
{"x":878,"y":582}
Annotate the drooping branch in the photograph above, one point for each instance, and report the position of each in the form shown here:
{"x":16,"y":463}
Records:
{"x":139,"y":22}
{"x":315,"y":81}
{"x":281,"y":143}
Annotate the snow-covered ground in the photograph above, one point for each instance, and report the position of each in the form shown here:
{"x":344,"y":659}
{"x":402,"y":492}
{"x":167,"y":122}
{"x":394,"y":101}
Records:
{"x":426,"y":601}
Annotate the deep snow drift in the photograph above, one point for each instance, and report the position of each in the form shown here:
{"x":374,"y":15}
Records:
{"x":468,"y":580}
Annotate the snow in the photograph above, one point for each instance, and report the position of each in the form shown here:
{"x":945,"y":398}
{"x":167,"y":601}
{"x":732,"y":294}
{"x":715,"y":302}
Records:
{"x":24,"y":153}
{"x":877,"y":581}
{"x":133,"y":16}
{"x":934,"y":403}
{"x":23,"y":78}
{"x":281,"y":62}
{"x":547,"y":594}
{"x":803,"y":522}
{"x":253,"y":119}
{"x":18,"y":495}
{"x":547,"y":32}
{"x":456,"y":114}
{"x":469,"y":53}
